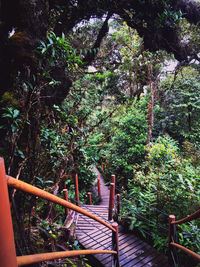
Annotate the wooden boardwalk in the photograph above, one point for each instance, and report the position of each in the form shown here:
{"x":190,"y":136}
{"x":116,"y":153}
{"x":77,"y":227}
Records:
{"x":133,"y":251}
{"x":93,"y":235}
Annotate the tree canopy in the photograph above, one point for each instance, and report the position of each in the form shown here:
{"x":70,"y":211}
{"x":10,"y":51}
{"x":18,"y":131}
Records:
{"x":158,"y":22}
{"x":84,"y":82}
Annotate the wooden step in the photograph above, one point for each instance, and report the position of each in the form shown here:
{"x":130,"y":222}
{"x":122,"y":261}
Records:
{"x":133,"y":251}
{"x":93,"y":235}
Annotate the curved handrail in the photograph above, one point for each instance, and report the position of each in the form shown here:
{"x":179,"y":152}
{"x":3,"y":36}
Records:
{"x":190,"y":217}
{"x":30,"y":259}
{"x":172,"y":223}
{"x":18,"y":184}
{"x":186,"y":250}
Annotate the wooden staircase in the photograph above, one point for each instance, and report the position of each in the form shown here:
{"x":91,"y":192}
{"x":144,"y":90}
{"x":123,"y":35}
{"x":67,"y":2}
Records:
{"x":133,"y":251}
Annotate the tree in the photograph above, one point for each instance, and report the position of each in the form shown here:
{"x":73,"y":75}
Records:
{"x":126,"y":146}
{"x":156,"y":21}
{"x":179,"y":99}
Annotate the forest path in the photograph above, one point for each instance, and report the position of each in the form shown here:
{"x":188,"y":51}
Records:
{"x":92,"y":235}
{"x":104,"y":189}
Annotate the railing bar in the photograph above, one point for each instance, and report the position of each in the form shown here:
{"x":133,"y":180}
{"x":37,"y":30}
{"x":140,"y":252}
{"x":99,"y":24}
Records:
{"x":152,"y":236}
{"x":29,"y":259}
{"x":141,"y":201}
{"x":144,"y":218}
{"x":177,"y":240}
{"x":186,"y":250}
{"x":18,"y":184}
{"x":172,"y":254}
{"x":190,"y":217}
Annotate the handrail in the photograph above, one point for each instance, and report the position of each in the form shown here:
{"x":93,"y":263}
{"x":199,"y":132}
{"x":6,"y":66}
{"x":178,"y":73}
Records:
{"x":190,"y":217}
{"x":172,"y":236}
{"x":186,"y":250}
{"x":8,"y":255}
{"x":172,"y":221}
{"x":30,"y":259}
{"x":18,"y":184}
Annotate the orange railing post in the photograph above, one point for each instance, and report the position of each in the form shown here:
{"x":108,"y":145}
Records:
{"x":65,"y":196}
{"x":113,"y":178}
{"x":76,"y":189}
{"x":99,"y":187}
{"x":89,"y":198}
{"x":7,"y":243}
{"x":113,"y":182}
{"x":171,"y":236}
{"x":111,"y":201}
{"x":115,"y":245}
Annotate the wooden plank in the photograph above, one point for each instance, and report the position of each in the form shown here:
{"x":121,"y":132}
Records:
{"x":128,"y":245}
{"x":94,"y":234}
{"x":97,"y":244}
{"x":160,"y":260}
{"x":99,"y":236}
{"x":106,"y":260}
{"x":86,"y":219}
{"x":132,"y":254}
{"x":122,"y":252}
{"x":133,"y":251}
{"x":127,"y":241}
{"x":139,"y":259}
{"x":148,"y":257}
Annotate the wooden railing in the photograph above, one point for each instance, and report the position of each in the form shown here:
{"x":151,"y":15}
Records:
{"x":172,"y":243}
{"x":172,"y":222}
{"x":8,"y":256}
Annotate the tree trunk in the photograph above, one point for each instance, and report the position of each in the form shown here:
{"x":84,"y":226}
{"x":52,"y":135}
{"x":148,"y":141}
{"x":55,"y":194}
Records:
{"x":150,"y":115}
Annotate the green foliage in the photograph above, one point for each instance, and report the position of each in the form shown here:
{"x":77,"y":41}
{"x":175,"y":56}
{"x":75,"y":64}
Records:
{"x":179,"y":102}
{"x":58,"y":50}
{"x":12,"y":117}
{"x":127,"y":145}
{"x":93,"y":148}
{"x":168,"y":17}
{"x":40,"y":183}
{"x":189,"y":235}
{"x":167,"y":182}
{"x":163,"y":151}
{"x":63,"y":140}
{"x":47,"y":144}
{"x":108,"y":84}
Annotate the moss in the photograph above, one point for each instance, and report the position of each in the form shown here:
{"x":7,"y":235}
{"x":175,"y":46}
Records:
{"x":8,"y":99}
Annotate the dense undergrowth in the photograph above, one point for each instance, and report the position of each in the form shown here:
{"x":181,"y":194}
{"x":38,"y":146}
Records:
{"x":167,"y":181}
